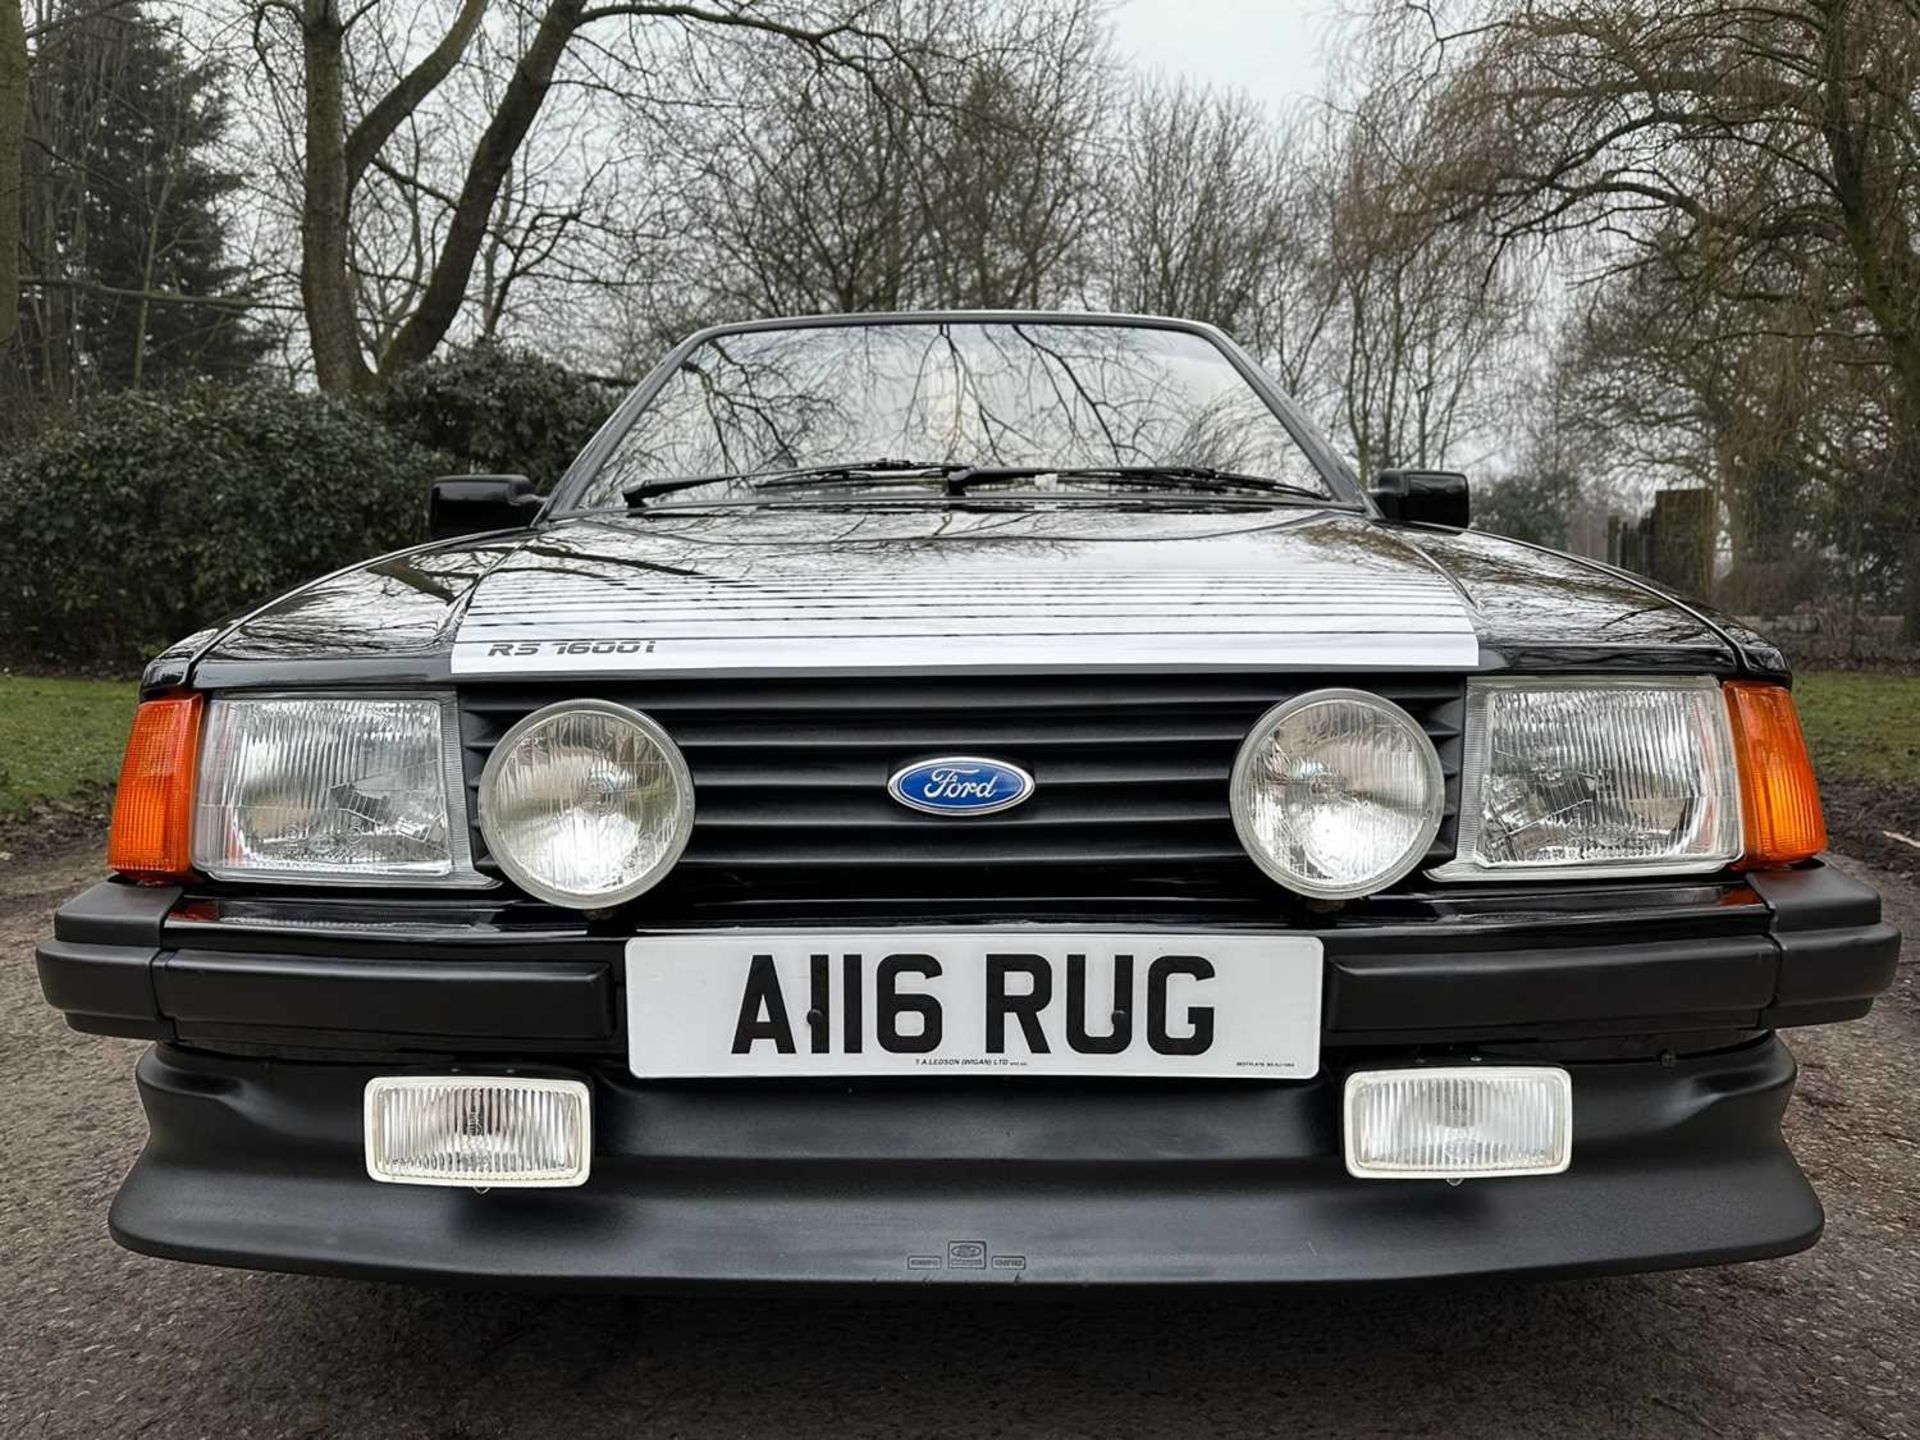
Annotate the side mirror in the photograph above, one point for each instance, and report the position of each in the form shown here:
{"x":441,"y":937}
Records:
{"x":469,"y":504}
{"x":1422,"y":497}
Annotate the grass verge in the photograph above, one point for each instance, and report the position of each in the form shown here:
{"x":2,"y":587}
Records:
{"x":60,"y":743}
{"x":1863,"y":728}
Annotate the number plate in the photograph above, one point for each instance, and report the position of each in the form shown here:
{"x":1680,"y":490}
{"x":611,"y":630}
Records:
{"x":973,"y":1003}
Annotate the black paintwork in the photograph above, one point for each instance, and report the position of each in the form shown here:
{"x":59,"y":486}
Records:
{"x":1675,"y":959}
{"x":1430,"y":497}
{"x":393,"y":619}
{"x":273,"y":1008}
{"x":475,"y":504}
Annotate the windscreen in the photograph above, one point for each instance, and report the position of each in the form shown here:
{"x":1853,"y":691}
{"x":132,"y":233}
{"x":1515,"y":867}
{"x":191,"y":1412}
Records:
{"x":952,"y":393}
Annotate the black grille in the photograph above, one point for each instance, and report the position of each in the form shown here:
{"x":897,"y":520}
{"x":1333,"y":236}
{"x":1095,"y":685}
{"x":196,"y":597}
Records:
{"x":1131,"y":780}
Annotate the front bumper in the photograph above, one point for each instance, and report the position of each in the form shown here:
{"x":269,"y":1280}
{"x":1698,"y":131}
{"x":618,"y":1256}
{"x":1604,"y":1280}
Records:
{"x":348,"y":975}
{"x":272,"y":1017}
{"x":259,"y":1164}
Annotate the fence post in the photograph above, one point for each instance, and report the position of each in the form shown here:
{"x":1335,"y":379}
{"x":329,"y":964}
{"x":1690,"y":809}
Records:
{"x":1684,"y":524}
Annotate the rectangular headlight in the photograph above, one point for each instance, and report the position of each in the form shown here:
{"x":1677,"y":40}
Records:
{"x":1565,"y":779}
{"x":344,"y":789}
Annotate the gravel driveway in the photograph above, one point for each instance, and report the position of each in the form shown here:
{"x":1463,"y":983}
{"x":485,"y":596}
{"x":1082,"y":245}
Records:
{"x":95,"y":1342}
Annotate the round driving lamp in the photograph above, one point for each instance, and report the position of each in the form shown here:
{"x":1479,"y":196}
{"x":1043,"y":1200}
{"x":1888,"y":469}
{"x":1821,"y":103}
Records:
{"x":586,"y":804}
{"x":1337,"y":793}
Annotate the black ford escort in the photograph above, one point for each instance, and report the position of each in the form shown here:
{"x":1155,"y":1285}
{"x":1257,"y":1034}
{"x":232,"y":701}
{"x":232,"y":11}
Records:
{"x":967,"y":798}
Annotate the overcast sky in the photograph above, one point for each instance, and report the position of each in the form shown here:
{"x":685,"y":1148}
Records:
{"x":1272,"y":49}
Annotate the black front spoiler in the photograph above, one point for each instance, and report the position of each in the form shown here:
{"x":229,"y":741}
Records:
{"x":260,"y":1164}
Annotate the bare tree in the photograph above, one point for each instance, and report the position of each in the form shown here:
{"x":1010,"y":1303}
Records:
{"x":13,"y":132}
{"x":1680,"y":385}
{"x":1205,"y":210}
{"x":1006,"y":181}
{"x":1425,"y":316}
{"x":1774,"y":150}
{"x":346,"y":126}
{"x":1303,"y":238}
{"x":967,"y":181}
{"x":805,"y":204}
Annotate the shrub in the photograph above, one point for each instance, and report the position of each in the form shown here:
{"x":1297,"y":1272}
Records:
{"x":152,"y":514}
{"x":25,"y":416}
{"x":498,"y":410}
{"x":1534,"y":506}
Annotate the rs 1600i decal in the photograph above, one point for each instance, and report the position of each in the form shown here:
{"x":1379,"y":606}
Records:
{"x":861,"y":619}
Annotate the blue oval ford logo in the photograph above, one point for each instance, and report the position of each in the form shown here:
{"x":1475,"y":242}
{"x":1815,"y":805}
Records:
{"x":960,"y":785}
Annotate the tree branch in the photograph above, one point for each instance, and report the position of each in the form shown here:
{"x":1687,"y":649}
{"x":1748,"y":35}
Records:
{"x":240,"y":304}
{"x":379,"y":123}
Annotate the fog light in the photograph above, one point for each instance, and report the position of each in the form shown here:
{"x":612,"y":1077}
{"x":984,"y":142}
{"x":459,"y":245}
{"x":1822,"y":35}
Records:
{"x":1459,"y":1123}
{"x":478,"y":1130}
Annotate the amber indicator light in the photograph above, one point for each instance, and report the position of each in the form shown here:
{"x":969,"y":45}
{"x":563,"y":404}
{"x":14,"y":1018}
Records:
{"x":151,"y":839}
{"x":1778,"y":794}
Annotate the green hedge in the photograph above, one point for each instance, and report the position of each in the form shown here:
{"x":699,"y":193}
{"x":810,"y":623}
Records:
{"x":152,"y":514}
{"x":498,"y":410}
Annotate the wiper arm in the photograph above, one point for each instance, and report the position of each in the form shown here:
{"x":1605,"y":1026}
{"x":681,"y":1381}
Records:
{"x":1194,"y":477}
{"x":638,"y":495}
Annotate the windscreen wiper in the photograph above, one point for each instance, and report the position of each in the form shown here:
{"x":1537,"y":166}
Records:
{"x":957,"y":477}
{"x":884,"y":471}
{"x":1187,"y":477}
{"x":885,"y":465}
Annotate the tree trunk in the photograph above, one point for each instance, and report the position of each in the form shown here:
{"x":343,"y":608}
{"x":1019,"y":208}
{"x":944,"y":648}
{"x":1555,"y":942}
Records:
{"x":1906,"y":484}
{"x":1910,"y":624}
{"x":326,"y":282}
{"x":1877,"y":233}
{"x":143,"y":312}
{"x":13,"y":136}
{"x":486,"y":173}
